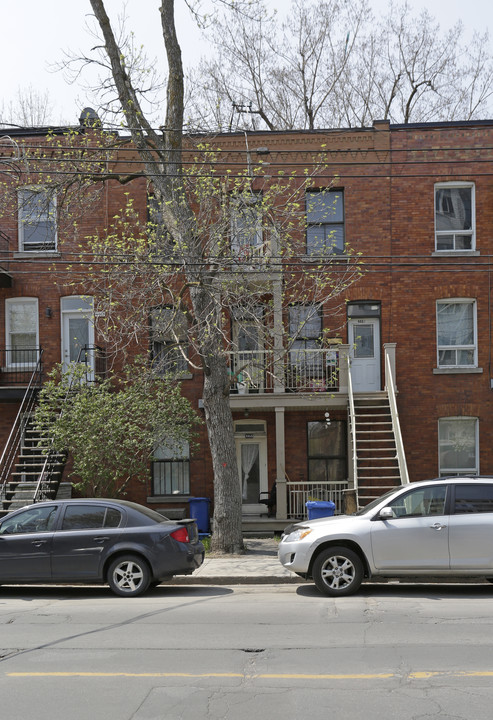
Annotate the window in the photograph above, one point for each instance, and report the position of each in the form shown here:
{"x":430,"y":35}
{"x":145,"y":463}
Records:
{"x":420,"y":502}
{"x":156,"y":229}
{"x":87,"y":517}
{"x":458,"y":446}
{"x":305,"y":331}
{"x":246,"y":226}
{"x":454,"y":217}
{"x":456,"y":333}
{"x":33,"y":520}
{"x":169,"y":341}
{"x":325,"y":222}
{"x":327,"y":460}
{"x":171,"y":469}
{"x":473,"y":498}
{"x":21,"y":328}
{"x":37,"y":220}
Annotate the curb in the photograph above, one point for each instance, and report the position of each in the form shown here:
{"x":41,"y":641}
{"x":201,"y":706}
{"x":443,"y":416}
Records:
{"x":235,"y":580}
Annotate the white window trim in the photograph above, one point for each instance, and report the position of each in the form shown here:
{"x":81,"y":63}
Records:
{"x":449,"y":471}
{"x":16,"y":301}
{"x":239,"y":203}
{"x":453,"y":301}
{"x":20,"y":216}
{"x":472,"y":232}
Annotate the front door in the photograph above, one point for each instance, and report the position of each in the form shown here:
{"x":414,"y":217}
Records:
{"x":251,"y":454}
{"x":364,"y":341}
{"x":249,"y":358}
{"x":77,"y":333}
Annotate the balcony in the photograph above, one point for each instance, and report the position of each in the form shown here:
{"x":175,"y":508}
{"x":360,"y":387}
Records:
{"x":17,"y":365}
{"x":318,"y":370}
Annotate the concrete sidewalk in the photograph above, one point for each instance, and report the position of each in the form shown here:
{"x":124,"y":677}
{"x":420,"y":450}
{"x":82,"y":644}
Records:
{"x":258,"y":565}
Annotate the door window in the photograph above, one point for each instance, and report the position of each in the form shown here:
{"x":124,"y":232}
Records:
{"x":87,"y":517}
{"x":34,"y":520}
{"x":473,"y":499}
{"x":364,"y":343}
{"x":420,"y":502}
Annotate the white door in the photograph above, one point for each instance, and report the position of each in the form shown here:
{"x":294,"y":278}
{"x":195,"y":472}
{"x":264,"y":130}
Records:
{"x":251,"y":454}
{"x":249,"y":356}
{"x":77,"y":333}
{"x":364,"y":341}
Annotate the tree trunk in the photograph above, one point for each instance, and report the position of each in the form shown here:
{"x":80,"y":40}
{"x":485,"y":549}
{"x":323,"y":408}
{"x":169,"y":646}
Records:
{"x":227,"y":534}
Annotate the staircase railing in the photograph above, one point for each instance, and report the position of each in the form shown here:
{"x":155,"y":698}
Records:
{"x":11,"y":449}
{"x":94,"y":359}
{"x":352,"y":415}
{"x":399,"y":444}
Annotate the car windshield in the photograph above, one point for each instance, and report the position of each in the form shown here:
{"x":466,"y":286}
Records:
{"x":374,"y":503}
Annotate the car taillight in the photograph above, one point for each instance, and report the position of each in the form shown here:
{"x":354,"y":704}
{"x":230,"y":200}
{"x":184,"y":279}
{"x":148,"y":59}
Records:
{"x":181,"y":535}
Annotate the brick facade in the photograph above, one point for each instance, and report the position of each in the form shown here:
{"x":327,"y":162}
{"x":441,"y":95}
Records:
{"x":388,"y":175}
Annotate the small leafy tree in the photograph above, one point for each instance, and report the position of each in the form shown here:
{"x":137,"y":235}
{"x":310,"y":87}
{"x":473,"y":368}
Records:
{"x":112,"y":427}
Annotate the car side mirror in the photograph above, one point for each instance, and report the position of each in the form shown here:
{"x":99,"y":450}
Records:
{"x":386,"y":513}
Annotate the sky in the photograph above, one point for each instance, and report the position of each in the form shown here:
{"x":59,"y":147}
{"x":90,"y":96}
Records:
{"x":37,"y":35}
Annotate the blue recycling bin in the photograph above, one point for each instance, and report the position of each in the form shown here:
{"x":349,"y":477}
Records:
{"x":199,"y":511}
{"x":320,"y":508}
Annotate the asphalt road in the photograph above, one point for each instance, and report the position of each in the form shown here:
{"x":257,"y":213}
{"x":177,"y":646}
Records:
{"x":235,"y":653}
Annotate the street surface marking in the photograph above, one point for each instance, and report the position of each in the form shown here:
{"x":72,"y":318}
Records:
{"x":423,"y":675}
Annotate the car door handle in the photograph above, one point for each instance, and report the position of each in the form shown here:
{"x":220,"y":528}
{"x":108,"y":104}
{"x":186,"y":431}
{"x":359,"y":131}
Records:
{"x":101,"y":538}
{"x":437,"y":526}
{"x":38,"y":543}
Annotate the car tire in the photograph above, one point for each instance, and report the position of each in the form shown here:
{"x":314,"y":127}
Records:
{"x":337,"y":571}
{"x":128,"y":576}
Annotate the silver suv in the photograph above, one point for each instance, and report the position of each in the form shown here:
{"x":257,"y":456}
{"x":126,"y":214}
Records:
{"x":440,"y":527}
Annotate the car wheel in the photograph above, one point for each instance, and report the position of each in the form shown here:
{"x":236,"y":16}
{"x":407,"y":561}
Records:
{"x":337,"y":571}
{"x":129,"y":575}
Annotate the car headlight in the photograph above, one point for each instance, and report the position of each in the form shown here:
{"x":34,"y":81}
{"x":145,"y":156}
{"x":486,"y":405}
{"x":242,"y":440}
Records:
{"x":298,"y":534}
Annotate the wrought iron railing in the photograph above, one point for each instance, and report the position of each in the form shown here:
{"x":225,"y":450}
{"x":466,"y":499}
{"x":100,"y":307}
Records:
{"x":299,"y":493}
{"x":310,"y":370}
{"x":94,"y":359}
{"x":12,"y":446}
{"x":17,"y":365}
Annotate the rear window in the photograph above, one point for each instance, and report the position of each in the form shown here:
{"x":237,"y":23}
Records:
{"x":473,"y":498}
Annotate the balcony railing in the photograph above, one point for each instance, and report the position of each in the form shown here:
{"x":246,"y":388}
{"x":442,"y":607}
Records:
{"x":267,"y":371}
{"x":299,"y":493}
{"x":17,"y":365}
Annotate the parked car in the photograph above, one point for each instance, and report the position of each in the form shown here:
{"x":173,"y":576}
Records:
{"x":96,"y":541}
{"x":441,"y":527}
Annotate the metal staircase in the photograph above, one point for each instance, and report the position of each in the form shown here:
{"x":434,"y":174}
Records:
{"x":37,"y":472}
{"x":376,"y":451}
{"x":27,"y":474}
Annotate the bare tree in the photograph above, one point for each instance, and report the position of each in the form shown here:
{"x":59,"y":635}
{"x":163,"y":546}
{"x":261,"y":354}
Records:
{"x":333,"y":64}
{"x":31,"y":108}
{"x":197,"y":255}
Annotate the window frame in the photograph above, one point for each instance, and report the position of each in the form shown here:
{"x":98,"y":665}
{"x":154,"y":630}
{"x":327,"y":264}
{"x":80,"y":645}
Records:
{"x":298,"y":341}
{"x":49,"y":215}
{"x":329,"y":457}
{"x":170,"y":486}
{"x":472,"y":232}
{"x":10,"y":302}
{"x":239,"y":203}
{"x":329,"y":248}
{"x":457,"y":471}
{"x":169,"y":347}
{"x":456,"y":348}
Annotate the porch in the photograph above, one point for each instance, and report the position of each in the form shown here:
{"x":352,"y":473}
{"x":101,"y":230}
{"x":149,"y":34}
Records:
{"x":322,"y":387}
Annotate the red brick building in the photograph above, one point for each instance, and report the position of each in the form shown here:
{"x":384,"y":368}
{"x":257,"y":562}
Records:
{"x":399,"y":389}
